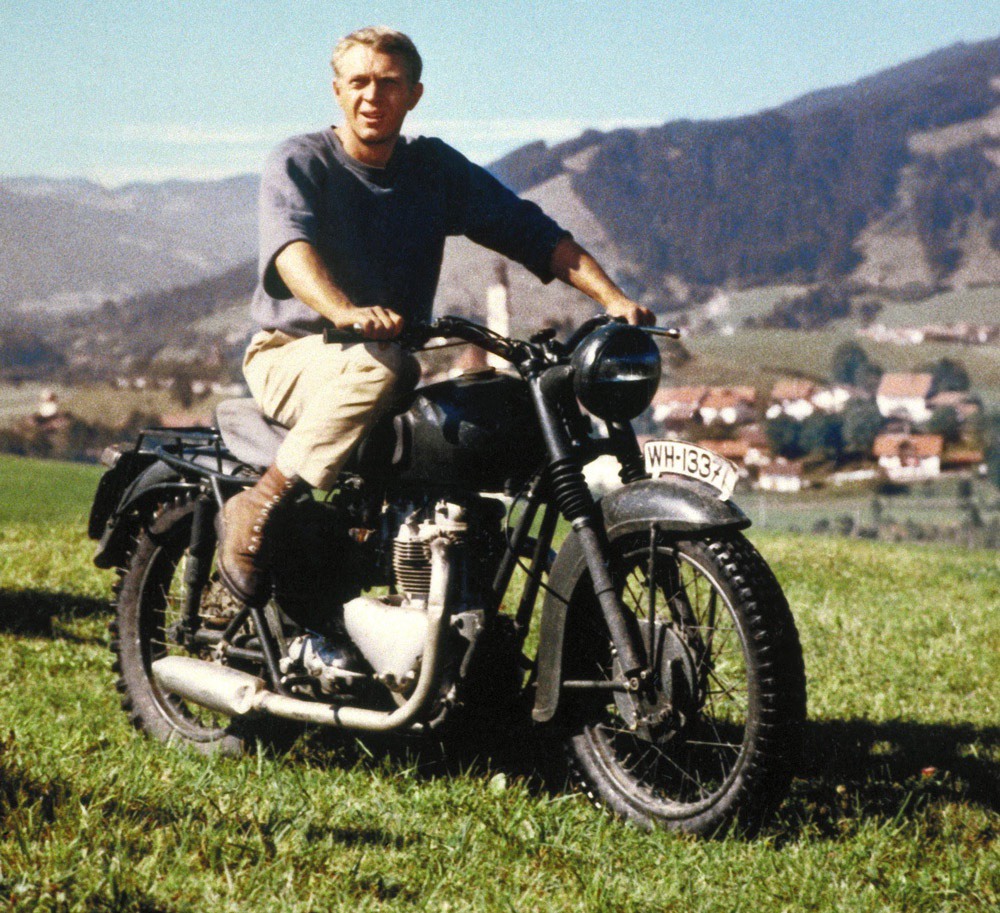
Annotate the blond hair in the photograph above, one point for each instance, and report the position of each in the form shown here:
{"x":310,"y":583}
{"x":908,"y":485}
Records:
{"x":385,"y":40}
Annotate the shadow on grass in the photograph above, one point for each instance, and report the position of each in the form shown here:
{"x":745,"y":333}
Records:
{"x":31,"y":612}
{"x":856,"y":770}
{"x":851,"y":771}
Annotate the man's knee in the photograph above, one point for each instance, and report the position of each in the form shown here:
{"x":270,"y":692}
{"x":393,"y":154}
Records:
{"x":394,"y":370}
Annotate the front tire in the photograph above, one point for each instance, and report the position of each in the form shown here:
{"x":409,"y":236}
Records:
{"x":717,"y":742}
{"x":148,"y":615}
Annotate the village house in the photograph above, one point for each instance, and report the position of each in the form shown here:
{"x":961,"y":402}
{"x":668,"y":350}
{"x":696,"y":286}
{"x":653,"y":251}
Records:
{"x":758,"y":447}
{"x":677,"y":406}
{"x":904,"y":396}
{"x":899,"y":336}
{"x":963,"y":333}
{"x":728,"y":405}
{"x":965,"y":460}
{"x":835,"y":397}
{"x":792,"y":396}
{"x":784,"y":476}
{"x":909,"y":457}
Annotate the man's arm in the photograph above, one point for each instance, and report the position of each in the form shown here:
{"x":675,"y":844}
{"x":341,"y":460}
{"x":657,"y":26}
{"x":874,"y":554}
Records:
{"x":302,"y":269}
{"x":576,"y":267}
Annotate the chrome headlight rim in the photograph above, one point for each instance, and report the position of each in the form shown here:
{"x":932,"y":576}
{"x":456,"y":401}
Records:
{"x":616,"y":371}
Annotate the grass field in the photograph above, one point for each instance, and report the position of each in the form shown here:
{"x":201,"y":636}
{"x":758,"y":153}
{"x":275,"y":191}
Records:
{"x":897,"y":806}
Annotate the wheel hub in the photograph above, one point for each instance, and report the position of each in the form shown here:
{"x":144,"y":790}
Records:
{"x":669,"y":705}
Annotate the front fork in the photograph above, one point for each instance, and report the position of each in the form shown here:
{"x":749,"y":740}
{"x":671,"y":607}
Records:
{"x":571,"y":494}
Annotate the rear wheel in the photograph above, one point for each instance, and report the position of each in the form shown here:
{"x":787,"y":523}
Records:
{"x":148,"y":625}
{"x":716,"y":740}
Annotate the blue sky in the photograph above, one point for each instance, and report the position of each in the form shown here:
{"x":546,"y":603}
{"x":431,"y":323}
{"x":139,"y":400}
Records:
{"x":123,"y":91}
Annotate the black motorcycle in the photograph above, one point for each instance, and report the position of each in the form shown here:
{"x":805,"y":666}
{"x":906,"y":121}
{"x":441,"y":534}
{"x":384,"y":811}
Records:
{"x":665,"y":656}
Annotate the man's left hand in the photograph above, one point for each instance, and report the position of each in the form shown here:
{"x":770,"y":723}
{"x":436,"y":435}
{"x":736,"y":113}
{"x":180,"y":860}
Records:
{"x":635,"y":314}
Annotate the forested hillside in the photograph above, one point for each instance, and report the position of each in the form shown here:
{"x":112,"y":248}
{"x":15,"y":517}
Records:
{"x":787,"y":195}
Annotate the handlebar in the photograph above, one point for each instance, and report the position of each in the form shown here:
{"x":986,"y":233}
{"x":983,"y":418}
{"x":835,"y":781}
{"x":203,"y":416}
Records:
{"x":416,"y":335}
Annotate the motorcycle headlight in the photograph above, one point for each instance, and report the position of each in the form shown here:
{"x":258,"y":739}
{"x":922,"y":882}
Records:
{"x":616,"y":371}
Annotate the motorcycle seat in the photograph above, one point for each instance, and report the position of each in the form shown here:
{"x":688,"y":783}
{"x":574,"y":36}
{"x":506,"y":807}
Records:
{"x":254,"y":439}
{"x":248,"y":434}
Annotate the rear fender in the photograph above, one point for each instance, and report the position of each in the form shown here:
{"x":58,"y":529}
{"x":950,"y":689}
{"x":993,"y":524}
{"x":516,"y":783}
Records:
{"x":152,"y":485}
{"x":681,"y":508}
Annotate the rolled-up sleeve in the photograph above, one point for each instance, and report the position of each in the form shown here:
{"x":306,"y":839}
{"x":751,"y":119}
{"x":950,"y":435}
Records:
{"x":494,"y":216}
{"x":287,"y":210}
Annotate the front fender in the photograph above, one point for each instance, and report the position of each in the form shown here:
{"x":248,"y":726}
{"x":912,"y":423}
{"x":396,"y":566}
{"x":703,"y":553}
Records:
{"x":679,"y":507}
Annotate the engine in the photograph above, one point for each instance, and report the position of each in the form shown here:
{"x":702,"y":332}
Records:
{"x":390,"y":631}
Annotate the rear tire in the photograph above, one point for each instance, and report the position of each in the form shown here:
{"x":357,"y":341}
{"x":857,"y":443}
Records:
{"x":717,"y":744}
{"x":149,"y":606}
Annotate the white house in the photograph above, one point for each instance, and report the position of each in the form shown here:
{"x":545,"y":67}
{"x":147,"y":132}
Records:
{"x":728,"y":405}
{"x":834,"y":398}
{"x":792,"y":396}
{"x":677,"y":405}
{"x":783,"y":476}
{"x":904,"y":396}
{"x":909,"y":457}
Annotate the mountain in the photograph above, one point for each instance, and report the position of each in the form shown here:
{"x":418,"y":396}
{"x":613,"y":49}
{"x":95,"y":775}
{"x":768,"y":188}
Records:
{"x":892,"y":183}
{"x":72,"y":244}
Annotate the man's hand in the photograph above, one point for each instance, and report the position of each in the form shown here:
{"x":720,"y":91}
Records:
{"x":635,"y":314}
{"x":370,"y":323}
{"x":303,"y":271}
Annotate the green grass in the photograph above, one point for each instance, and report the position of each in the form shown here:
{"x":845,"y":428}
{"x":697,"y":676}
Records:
{"x":45,"y":491}
{"x":897,"y":806}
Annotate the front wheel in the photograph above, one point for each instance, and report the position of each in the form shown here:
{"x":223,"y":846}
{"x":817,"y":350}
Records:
{"x":715,"y":740}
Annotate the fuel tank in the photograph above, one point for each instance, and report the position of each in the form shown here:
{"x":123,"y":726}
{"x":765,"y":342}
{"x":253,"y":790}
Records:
{"x":477,"y":431}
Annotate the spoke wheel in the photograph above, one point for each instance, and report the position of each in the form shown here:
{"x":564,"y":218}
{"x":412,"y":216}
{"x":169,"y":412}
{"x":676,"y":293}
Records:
{"x":715,"y":741}
{"x":147,"y":627}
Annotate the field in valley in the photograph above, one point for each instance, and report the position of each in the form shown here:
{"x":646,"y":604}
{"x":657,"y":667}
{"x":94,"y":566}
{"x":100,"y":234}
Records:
{"x":897,"y":806}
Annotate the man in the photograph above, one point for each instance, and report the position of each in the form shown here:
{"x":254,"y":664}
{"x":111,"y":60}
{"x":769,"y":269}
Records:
{"x":353,"y":222}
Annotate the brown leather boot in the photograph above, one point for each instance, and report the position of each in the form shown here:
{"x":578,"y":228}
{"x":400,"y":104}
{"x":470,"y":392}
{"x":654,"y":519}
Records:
{"x":246,"y":527}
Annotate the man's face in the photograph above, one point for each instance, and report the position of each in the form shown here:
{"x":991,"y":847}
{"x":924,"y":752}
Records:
{"x":375,"y":94}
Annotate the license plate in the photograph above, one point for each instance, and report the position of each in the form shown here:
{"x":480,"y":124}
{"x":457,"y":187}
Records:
{"x":682,"y":458}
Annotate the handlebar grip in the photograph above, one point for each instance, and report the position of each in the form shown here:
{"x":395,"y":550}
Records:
{"x":335,"y":334}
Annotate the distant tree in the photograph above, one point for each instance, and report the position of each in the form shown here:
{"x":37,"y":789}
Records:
{"x":821,"y":435}
{"x":811,"y":310}
{"x":868,"y":311}
{"x":945,"y":421}
{"x":949,"y":376}
{"x":851,"y":365}
{"x":783,"y":435}
{"x":848,"y":358}
{"x":868,"y":377}
{"x":862,"y":424}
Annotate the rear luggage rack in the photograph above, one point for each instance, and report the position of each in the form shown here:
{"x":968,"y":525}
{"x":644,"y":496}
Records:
{"x":182,"y":447}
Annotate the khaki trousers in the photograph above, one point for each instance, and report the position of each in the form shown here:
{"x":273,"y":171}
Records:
{"x":328,"y":394}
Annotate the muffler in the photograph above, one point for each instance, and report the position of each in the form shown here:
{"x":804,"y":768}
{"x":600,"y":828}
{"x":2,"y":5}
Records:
{"x":236,"y":693}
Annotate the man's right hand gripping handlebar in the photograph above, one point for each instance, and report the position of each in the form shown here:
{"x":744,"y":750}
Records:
{"x":377,"y":323}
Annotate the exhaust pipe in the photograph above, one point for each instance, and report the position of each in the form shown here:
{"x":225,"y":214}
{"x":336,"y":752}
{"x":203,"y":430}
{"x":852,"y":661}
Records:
{"x":236,"y":693}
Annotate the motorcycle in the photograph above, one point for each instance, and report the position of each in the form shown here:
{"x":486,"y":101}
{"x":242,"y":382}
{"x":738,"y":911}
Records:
{"x":665,"y":657}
